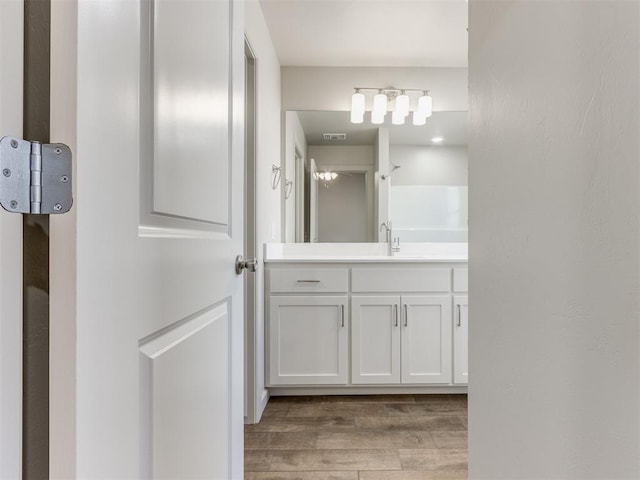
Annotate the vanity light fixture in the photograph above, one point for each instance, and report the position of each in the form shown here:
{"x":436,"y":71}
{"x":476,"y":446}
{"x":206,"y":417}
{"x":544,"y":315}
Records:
{"x":401,"y":105}
{"x":357,"y":107}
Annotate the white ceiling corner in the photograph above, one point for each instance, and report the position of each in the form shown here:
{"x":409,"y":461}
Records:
{"x":368,"y":33}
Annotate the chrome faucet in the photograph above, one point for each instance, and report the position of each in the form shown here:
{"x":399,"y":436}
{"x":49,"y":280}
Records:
{"x":387,"y":227}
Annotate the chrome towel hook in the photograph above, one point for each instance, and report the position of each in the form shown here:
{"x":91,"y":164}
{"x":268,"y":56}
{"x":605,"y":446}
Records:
{"x":276,"y":174}
{"x":288,"y":186}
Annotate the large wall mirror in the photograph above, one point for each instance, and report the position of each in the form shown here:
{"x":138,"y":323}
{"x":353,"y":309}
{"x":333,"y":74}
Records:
{"x":343,"y":180}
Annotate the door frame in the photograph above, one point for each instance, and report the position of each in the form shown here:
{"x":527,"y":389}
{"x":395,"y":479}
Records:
{"x":11,"y":118}
{"x":251,"y":250}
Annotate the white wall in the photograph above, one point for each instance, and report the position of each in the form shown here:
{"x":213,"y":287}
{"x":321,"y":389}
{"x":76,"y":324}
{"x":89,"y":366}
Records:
{"x":328,"y":156}
{"x":424,"y":165}
{"x":330,"y":88}
{"x":345,"y":158}
{"x":342,"y":210}
{"x":382,"y":187}
{"x":294,"y":139}
{"x":268,"y":139}
{"x":554,"y":248}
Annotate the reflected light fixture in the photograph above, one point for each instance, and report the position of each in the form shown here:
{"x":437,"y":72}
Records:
{"x":437,"y":139}
{"x":325,"y":176}
{"x":380,"y":102}
{"x":425,"y":105}
{"x":402,"y":104}
{"x":398,"y":99}
{"x":397,"y":117}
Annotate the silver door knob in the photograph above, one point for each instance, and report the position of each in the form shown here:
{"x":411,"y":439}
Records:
{"x":241,"y":264}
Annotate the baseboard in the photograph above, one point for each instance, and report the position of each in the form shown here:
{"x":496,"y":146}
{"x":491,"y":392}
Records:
{"x":264,"y":399}
{"x":286,"y":391}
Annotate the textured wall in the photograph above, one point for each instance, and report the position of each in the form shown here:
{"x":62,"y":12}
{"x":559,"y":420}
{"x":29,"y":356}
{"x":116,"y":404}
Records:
{"x":330,"y":88}
{"x":554,"y":240}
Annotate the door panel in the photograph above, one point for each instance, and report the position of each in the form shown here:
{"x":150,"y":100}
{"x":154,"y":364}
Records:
{"x":191,"y":109}
{"x":426,"y":339}
{"x":145,"y":280}
{"x":308,"y":340}
{"x":375,"y":339}
{"x":11,"y":60}
{"x":187,"y":437}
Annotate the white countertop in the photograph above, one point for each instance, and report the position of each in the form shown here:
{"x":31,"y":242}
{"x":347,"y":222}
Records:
{"x":365,"y":253}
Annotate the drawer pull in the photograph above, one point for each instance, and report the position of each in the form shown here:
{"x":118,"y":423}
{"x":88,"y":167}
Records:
{"x":406,"y":315}
{"x":342,"y":313}
{"x":395,"y":307}
{"x":459,"y":315}
{"x":308,"y":281}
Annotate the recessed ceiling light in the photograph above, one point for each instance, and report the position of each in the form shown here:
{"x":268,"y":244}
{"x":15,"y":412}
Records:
{"x":437,"y":139}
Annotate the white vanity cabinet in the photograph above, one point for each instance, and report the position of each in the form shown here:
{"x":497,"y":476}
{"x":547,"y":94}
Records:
{"x":375,"y":339}
{"x":461,"y":340}
{"x":401,"y":339}
{"x":460,"y":326}
{"x":367,"y":326}
{"x":426,"y":339}
{"x":308,"y":340}
{"x":308,"y":326}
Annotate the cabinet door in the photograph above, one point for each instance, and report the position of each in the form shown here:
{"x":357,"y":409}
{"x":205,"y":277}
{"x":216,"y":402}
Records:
{"x":426,"y":339}
{"x":461,"y":340}
{"x":308,"y":340}
{"x":375,"y":333}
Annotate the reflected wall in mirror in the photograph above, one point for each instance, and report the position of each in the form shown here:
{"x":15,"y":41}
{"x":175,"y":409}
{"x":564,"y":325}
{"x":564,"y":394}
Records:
{"x":347,"y":179}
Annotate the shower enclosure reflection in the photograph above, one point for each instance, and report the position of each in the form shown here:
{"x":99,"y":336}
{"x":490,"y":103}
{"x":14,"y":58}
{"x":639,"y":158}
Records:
{"x":347,"y":179}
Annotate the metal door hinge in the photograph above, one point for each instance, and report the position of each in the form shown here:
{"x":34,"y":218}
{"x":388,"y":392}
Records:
{"x":35,"y":177}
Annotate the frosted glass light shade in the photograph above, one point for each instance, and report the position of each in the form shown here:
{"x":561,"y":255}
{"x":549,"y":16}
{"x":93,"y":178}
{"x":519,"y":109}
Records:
{"x":402,"y":104}
{"x":380,"y":104}
{"x":377,"y":117}
{"x":357,"y":117}
{"x":419,"y":119}
{"x":425,"y":105}
{"x":357,"y":103}
{"x":397,"y":117}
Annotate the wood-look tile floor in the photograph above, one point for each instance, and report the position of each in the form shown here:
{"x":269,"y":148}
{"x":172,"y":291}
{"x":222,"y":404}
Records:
{"x":378,"y":437}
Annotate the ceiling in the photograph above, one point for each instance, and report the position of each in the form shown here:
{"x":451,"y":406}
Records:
{"x":368,"y":33}
{"x":452,"y":126}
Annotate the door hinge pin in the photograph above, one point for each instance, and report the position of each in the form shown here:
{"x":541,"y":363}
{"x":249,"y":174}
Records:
{"x":36,"y":177}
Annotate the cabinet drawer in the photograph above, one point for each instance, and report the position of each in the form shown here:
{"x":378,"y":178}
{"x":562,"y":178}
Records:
{"x":306,"y":280}
{"x":400,"y":280}
{"x":460,"y":280}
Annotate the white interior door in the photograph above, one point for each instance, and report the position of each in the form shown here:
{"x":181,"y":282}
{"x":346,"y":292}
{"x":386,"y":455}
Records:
{"x":147,"y":310}
{"x":11,"y":59}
